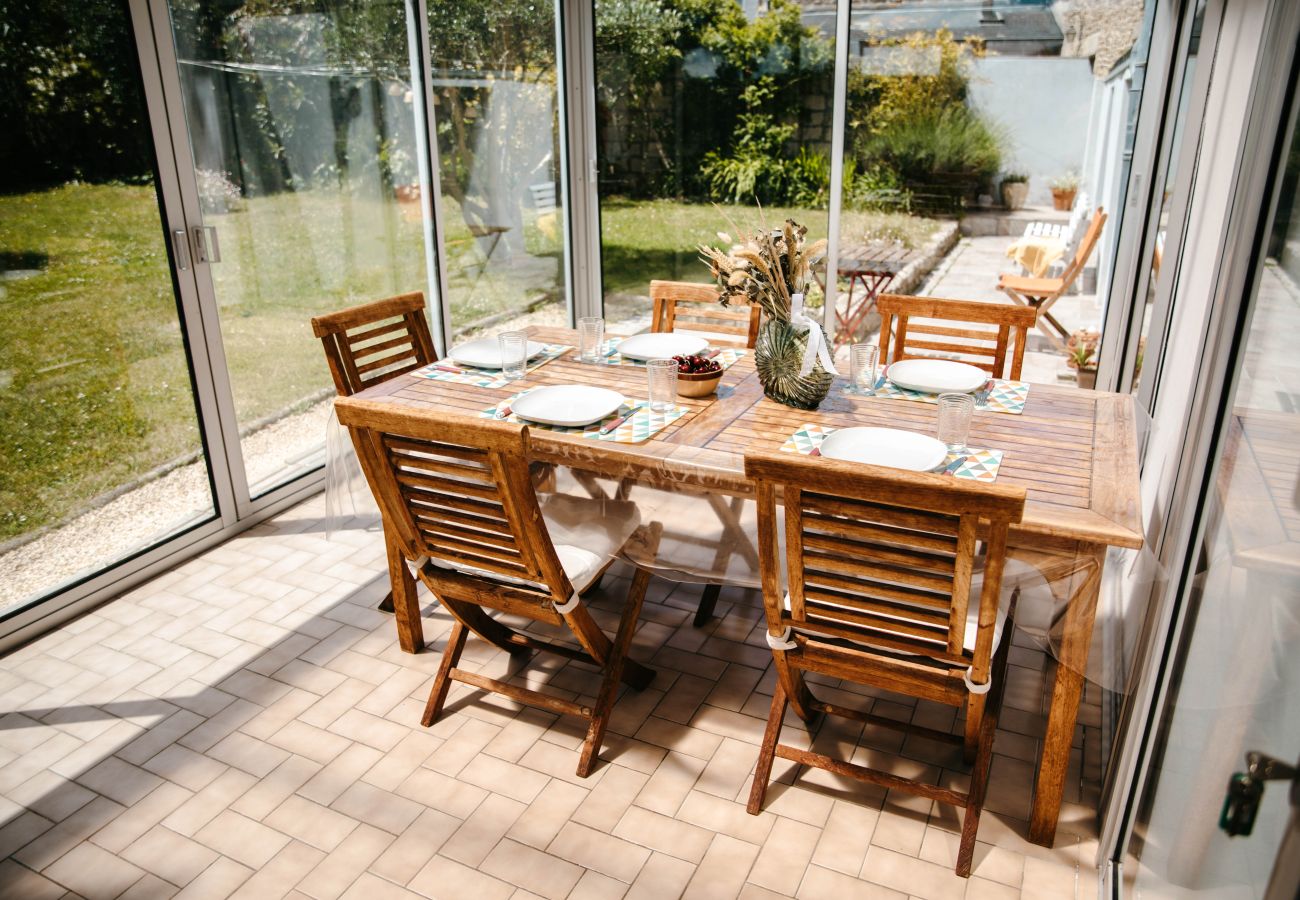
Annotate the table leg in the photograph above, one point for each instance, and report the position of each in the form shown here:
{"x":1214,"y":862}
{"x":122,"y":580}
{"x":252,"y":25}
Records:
{"x":1071,"y":663}
{"x":842,"y":320}
{"x":406,"y":605}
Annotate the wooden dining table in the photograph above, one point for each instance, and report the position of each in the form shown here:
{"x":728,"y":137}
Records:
{"x":1073,"y":450}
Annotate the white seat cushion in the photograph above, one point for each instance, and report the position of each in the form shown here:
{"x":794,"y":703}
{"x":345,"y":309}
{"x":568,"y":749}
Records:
{"x":587,"y":532}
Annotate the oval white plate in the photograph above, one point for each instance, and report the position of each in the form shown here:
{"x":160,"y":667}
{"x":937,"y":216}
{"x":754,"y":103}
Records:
{"x":885,"y":447}
{"x":567,"y":405}
{"x":662,"y":345}
{"x":486,"y":353}
{"x":937,"y":376}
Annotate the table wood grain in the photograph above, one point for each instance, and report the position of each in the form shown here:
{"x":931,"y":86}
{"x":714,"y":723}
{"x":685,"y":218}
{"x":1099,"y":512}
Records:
{"x":1074,"y":451}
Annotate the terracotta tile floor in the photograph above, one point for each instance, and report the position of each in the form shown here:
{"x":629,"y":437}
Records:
{"x":245,"y":726}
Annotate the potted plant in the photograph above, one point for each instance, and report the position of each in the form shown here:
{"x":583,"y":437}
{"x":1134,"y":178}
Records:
{"x":1064,"y":187}
{"x":772,"y":268}
{"x":1015,"y":189}
{"x":1081,"y":355}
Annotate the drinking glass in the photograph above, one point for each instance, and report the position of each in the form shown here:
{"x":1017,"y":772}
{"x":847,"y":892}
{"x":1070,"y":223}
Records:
{"x":514,"y":354}
{"x":955,"y":411}
{"x":862,"y":368}
{"x":663,"y":383}
{"x":591,"y":338}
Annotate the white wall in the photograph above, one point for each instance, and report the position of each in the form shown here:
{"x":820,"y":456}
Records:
{"x":1043,"y":105}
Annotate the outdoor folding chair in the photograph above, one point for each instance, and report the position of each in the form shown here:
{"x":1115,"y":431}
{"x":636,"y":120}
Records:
{"x":986,"y":348}
{"x":1041,"y":293}
{"x":367,"y":345}
{"x":885,"y":589}
{"x":371,"y":343}
{"x":456,"y":493}
{"x":683,"y":306}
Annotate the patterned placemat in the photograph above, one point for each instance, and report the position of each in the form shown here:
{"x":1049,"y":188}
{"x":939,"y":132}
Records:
{"x":981,"y":465}
{"x":639,"y":421}
{"x":446,"y":370}
{"x":1003,"y":396}
{"x":727,"y":356}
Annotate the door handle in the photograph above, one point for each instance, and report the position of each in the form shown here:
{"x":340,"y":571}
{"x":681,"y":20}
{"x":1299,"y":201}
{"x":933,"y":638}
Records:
{"x":181,"y":249}
{"x":206,"y":247}
{"x":1245,"y":790}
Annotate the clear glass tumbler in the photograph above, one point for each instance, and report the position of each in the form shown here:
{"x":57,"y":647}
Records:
{"x":591,"y":338}
{"x":514,"y":354}
{"x":662,"y":374}
{"x":862,"y":368}
{"x":955,"y":412}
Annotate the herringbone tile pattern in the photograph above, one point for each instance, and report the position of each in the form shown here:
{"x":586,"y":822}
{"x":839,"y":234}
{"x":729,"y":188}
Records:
{"x":245,"y":726}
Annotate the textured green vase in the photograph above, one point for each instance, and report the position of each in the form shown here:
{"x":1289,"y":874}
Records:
{"x":778,"y":356}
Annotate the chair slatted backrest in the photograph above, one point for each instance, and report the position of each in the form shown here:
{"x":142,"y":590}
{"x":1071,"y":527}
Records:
{"x":982,"y":334}
{"x":881,"y":557}
{"x":456,"y":490}
{"x":683,"y":306}
{"x":1086,"y":245}
{"x":368,"y":344}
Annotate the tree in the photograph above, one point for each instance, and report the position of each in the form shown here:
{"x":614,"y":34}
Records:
{"x":69,"y":81}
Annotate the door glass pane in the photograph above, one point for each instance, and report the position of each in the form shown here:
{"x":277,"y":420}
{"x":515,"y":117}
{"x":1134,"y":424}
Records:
{"x":1158,"y":254}
{"x":704,"y":112}
{"x":1237,"y":674}
{"x":982,"y":139}
{"x":302,"y":125}
{"x":100,"y":454}
{"x":496,"y":102}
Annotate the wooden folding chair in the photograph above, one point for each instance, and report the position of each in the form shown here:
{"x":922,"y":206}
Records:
{"x":983,"y":347}
{"x":881,"y":567}
{"x":457,"y":496}
{"x":369,"y":344}
{"x":1041,"y":293}
{"x":683,"y":306}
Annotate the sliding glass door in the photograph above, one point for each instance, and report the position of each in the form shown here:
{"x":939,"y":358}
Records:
{"x":101,"y":454}
{"x":496,"y":110}
{"x":709,"y":118}
{"x":301,"y":123}
{"x":1235,"y":681}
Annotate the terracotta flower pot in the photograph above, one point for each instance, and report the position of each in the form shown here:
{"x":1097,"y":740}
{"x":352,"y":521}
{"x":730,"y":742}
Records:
{"x":1063,"y":198}
{"x":1088,"y":379}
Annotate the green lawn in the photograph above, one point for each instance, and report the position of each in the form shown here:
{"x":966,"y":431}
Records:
{"x":94,"y":382}
{"x":645,"y":239}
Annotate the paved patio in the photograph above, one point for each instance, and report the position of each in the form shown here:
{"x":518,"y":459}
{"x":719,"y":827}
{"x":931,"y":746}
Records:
{"x":245,"y":725}
{"x":970,"y":272}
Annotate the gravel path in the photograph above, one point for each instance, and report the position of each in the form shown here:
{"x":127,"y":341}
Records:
{"x":156,"y":508}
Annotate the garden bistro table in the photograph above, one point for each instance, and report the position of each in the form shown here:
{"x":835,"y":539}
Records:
{"x":1074,"y":451}
{"x":874,"y":266}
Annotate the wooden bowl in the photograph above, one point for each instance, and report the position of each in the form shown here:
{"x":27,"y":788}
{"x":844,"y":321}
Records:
{"x":698,"y":384}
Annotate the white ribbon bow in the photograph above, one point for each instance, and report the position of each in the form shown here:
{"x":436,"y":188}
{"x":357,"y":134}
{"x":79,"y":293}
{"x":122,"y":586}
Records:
{"x":816,"y":348}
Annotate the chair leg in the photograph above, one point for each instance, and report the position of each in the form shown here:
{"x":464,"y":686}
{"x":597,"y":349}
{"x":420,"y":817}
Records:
{"x":614,"y":673}
{"x":771,"y":735}
{"x":979,"y":783}
{"x":486,"y":627}
{"x":708,"y":602}
{"x":974,"y":719}
{"x":442,"y":681}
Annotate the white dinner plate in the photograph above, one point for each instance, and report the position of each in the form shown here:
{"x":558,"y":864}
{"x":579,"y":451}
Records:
{"x":937,"y":376}
{"x":567,"y":405}
{"x":661,"y":345}
{"x":486,"y":353}
{"x":885,"y":447}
